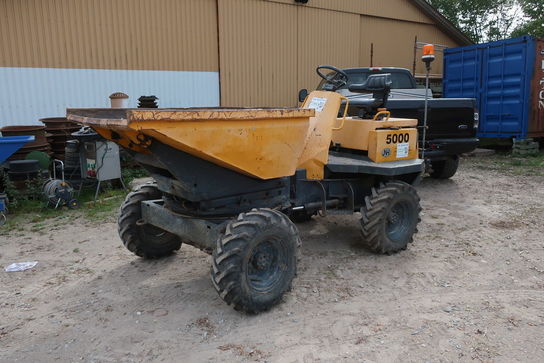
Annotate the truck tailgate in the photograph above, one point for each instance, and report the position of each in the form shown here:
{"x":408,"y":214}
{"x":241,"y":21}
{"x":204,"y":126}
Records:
{"x":448,"y":118}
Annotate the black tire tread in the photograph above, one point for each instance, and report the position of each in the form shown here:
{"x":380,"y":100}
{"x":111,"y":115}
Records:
{"x":130,"y":213}
{"x":228,"y":255}
{"x":444,"y":169}
{"x":372,"y":215}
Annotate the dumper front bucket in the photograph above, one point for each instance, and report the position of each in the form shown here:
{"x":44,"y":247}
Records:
{"x":263,"y":143}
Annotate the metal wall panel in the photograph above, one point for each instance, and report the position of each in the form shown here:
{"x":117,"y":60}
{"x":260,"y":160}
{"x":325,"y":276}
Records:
{"x":270,"y":49}
{"x":393,"y":9}
{"x":502,"y":72}
{"x":325,"y":37}
{"x":393,"y":41}
{"x":109,"y":34}
{"x":266,"y":49}
{"x":462,"y":72}
{"x":257,"y":53}
{"x":29,"y":94}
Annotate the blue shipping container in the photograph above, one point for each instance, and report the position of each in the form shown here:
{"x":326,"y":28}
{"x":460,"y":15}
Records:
{"x":502,"y":76}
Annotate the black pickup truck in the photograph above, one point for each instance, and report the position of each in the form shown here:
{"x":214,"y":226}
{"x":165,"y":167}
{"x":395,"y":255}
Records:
{"x":451,"y":124}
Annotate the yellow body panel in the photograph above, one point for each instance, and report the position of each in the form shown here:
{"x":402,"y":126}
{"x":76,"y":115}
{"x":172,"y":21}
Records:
{"x":392,"y":145}
{"x":319,"y":134}
{"x":264,"y":143}
{"x":356,"y":131}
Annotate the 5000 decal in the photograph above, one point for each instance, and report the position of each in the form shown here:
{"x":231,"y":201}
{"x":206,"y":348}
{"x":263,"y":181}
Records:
{"x":397,"y":138}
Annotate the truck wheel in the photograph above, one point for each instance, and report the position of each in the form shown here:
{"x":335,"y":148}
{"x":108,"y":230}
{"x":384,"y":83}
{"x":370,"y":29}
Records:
{"x":144,"y":240}
{"x":444,"y":169}
{"x":390,"y":217}
{"x":254,"y":261}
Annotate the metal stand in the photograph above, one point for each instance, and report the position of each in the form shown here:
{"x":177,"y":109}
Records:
{"x":428,"y":58}
{"x":426,"y":111}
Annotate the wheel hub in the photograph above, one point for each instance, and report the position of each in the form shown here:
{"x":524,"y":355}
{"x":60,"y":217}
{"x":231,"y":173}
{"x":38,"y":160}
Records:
{"x":262,"y":261}
{"x":398,"y":221}
{"x":394,"y":217}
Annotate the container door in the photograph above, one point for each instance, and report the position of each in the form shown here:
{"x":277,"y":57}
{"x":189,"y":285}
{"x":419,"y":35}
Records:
{"x":506,"y":71}
{"x":462,"y":72}
{"x":536,"y":119}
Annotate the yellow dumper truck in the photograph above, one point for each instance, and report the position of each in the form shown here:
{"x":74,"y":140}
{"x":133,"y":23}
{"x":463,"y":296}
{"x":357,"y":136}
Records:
{"x":231,"y":181}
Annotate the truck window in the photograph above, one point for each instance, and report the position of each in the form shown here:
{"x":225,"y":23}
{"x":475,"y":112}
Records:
{"x":400,"y":80}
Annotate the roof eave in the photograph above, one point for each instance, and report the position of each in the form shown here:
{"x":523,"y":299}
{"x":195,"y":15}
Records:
{"x":443,"y":23}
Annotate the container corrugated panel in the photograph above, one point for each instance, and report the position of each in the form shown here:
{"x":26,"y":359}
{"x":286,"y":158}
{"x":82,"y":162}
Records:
{"x":498,"y":75}
{"x":536,"y":121}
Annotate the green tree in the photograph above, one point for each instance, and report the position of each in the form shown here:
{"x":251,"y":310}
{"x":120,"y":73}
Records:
{"x":481,"y":20}
{"x":534,"y":18}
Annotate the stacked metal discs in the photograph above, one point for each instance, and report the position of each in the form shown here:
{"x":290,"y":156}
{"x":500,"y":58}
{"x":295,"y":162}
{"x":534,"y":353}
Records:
{"x":72,"y":166}
{"x":60,"y":131}
{"x":148,"y":102}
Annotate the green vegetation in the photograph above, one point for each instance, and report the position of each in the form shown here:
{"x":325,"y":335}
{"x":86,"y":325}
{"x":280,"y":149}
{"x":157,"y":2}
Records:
{"x":487,"y":20}
{"x":532,"y":165}
{"x":534,"y":21}
{"x":28,"y":209}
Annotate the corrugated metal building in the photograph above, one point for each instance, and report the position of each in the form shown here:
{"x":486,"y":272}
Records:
{"x":56,"y":54}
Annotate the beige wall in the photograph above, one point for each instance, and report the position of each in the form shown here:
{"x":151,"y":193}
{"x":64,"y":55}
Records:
{"x":396,"y":9}
{"x":258,"y":53}
{"x":270,"y":49}
{"x":265,"y":50}
{"x":109,"y":34}
{"x":393,"y":43}
{"x":325,"y":37}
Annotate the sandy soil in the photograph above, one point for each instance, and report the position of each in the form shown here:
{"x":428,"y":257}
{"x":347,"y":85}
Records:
{"x":469,"y":288}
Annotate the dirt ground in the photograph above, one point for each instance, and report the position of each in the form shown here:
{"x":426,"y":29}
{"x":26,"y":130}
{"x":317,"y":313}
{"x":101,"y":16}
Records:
{"x":470,"y":287}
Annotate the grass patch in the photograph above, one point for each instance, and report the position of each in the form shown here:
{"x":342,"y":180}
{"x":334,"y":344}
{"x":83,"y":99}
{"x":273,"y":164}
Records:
{"x":532,"y":165}
{"x":32,"y":213}
{"x":34,"y":216}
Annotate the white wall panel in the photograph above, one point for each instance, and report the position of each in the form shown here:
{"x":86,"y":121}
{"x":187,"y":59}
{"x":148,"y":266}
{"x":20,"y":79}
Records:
{"x":28,"y":94}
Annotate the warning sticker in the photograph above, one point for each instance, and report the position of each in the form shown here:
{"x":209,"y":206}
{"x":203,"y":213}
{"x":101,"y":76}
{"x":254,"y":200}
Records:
{"x":402,"y":150}
{"x":318,"y":103}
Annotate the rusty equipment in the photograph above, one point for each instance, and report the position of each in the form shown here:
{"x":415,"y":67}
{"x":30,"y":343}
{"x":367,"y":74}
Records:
{"x":60,"y":131}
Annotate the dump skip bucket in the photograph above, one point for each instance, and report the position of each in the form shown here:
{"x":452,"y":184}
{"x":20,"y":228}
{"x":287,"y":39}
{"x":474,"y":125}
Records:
{"x":263,"y":143}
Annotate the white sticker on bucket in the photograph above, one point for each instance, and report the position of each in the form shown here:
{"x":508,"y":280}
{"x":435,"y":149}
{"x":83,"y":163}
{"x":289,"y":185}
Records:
{"x":402,"y":150}
{"x":318,"y":103}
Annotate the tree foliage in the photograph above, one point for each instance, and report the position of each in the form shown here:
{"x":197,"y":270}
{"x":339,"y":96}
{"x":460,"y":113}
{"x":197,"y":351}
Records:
{"x":534,"y":18}
{"x":488,"y":20}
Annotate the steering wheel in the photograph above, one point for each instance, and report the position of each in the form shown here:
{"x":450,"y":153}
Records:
{"x":334,"y":80}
